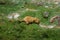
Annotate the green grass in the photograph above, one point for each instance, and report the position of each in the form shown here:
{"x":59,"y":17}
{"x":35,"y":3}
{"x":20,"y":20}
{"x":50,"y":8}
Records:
{"x":22,"y":31}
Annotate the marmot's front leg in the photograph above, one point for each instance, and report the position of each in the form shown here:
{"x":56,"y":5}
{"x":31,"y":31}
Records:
{"x":27,"y":22}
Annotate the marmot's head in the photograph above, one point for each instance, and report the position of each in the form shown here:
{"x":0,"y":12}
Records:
{"x":36,"y":20}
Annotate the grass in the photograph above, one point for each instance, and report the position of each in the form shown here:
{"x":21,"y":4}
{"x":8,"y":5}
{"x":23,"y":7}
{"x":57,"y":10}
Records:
{"x":21,"y":31}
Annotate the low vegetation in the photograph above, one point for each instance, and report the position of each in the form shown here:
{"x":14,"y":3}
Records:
{"x":12,"y":29}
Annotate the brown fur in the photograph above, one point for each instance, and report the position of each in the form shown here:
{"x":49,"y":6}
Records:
{"x":29,"y":19}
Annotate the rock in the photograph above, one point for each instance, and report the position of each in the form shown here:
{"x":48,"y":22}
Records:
{"x":53,"y":19}
{"x":13,"y":16}
{"x":45,"y":14}
{"x":39,"y":3}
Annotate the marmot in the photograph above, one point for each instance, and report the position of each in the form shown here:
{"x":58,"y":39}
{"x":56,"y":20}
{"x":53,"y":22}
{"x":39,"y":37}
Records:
{"x":29,"y":19}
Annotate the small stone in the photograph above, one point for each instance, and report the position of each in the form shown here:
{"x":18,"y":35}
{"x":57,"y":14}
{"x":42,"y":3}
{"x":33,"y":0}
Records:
{"x":46,"y":6}
{"x":45,"y":14}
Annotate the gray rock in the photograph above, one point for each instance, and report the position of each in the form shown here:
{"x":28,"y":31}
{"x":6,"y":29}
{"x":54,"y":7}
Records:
{"x":45,"y":14}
